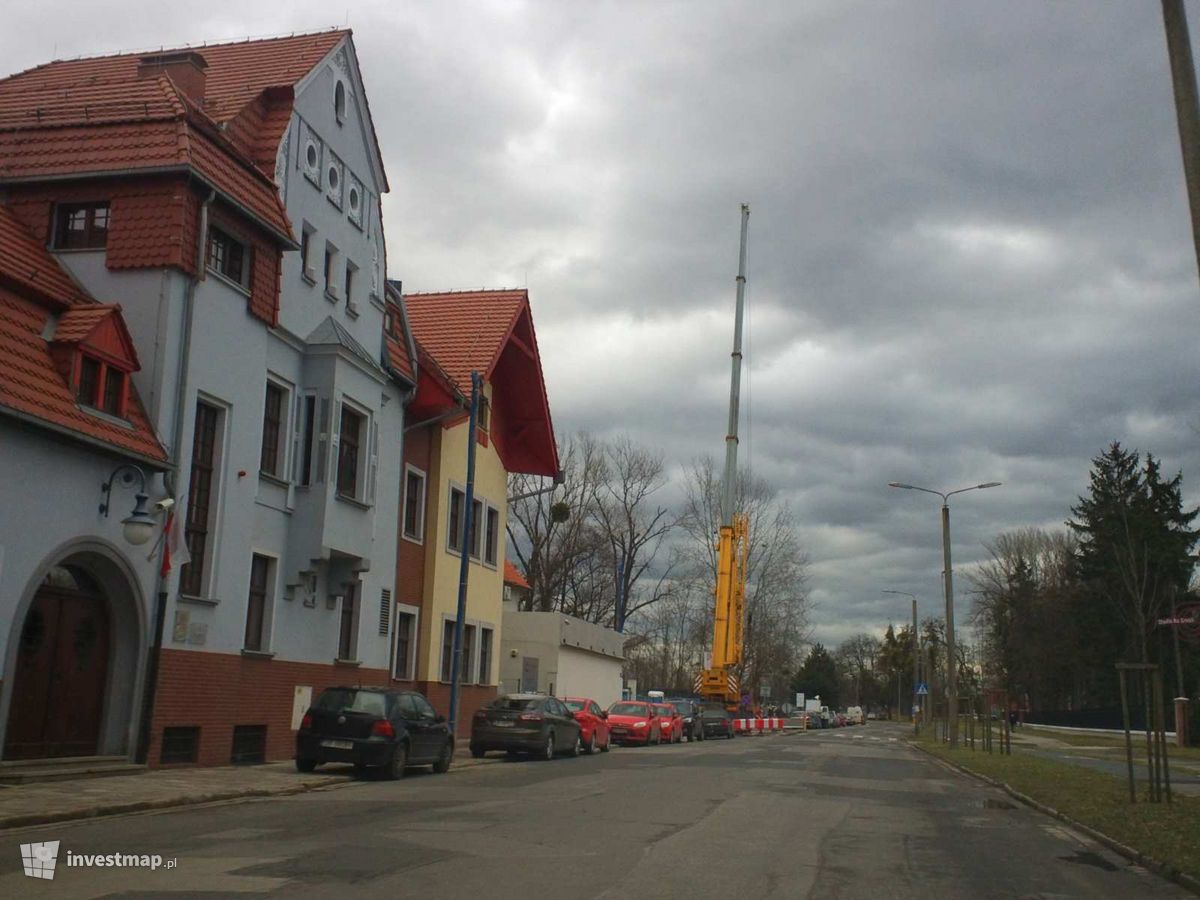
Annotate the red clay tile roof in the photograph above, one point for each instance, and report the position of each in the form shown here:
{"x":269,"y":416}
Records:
{"x":91,"y":116}
{"x":31,"y":386}
{"x":26,"y":265}
{"x":76,"y":324}
{"x":491,"y":332}
{"x":512,"y":575}
{"x":237,"y":71}
{"x":466,"y":330}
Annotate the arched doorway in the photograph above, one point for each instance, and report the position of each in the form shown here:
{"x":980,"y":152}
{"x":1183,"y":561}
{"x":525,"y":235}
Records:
{"x":62,"y":668}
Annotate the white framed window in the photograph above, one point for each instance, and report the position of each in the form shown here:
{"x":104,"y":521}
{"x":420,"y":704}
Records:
{"x":348,"y":622}
{"x":260,"y":605}
{"x":476,"y":531}
{"x":339,"y":101}
{"x":447,"y":647}
{"x":486,"y":642}
{"x":491,"y":535}
{"x":414,"y":505}
{"x":229,"y":257}
{"x":308,"y":252}
{"x":277,"y":413}
{"x":350,"y":283}
{"x":405,"y":662}
{"x":202,"y":516}
{"x":330,"y":270}
{"x":454,"y":520}
{"x":356,"y":453}
{"x":466,"y":674}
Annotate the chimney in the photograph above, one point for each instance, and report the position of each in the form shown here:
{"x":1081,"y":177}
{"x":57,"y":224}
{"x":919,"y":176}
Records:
{"x":185,"y":68}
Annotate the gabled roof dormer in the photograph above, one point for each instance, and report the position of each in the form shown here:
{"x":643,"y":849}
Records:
{"x":94,"y":353}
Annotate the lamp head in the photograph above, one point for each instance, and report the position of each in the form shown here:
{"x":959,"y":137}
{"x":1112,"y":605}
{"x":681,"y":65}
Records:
{"x":139,"y":526}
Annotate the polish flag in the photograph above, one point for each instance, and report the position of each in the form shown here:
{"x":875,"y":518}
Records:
{"x":174,"y":551}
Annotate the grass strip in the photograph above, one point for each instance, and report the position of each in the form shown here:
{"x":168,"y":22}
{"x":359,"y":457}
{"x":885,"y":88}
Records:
{"x":1169,"y":833}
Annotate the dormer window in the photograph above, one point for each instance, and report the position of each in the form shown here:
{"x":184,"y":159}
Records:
{"x":81,"y":226}
{"x":228,"y":257}
{"x":101,"y":386}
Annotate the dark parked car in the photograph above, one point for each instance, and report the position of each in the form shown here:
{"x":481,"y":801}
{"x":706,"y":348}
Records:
{"x":374,"y":728}
{"x":690,"y":711}
{"x":526,"y":723}
{"x":717,"y":722}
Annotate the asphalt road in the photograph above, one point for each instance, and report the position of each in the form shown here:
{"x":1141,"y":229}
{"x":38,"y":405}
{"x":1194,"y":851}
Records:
{"x":846,"y":813}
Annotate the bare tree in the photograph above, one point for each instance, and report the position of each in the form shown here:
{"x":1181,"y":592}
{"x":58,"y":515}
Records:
{"x":552,"y":533}
{"x":633,"y":527}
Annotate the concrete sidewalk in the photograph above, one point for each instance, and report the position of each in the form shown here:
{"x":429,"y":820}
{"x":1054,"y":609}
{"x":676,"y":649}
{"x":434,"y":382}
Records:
{"x":41,"y":803}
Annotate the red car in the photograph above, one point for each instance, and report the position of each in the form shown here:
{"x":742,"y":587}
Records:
{"x":670,"y":722}
{"x":634,"y":722}
{"x":593,"y":722}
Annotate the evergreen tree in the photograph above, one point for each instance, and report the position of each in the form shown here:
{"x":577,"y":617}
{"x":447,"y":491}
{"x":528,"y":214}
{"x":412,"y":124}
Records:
{"x":818,"y":677}
{"x":1135,"y":544}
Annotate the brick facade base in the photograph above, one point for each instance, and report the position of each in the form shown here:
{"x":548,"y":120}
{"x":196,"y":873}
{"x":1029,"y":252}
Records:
{"x":217,"y":691}
{"x":470,"y":698}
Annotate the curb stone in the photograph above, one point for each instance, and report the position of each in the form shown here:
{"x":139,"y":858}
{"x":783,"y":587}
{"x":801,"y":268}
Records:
{"x":104,"y":810}
{"x":1171,"y":873}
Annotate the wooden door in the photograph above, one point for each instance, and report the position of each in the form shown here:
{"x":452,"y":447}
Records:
{"x":62,"y":666}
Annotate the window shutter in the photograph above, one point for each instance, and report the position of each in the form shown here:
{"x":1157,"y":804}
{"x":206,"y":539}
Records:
{"x":385,"y":611}
{"x":373,"y":465}
{"x":335,"y":439}
{"x":297,"y":431}
{"x":323,"y":440}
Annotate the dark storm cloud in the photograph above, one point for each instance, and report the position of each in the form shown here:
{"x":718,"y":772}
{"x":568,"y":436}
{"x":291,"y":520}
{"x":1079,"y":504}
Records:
{"x":969,"y":251}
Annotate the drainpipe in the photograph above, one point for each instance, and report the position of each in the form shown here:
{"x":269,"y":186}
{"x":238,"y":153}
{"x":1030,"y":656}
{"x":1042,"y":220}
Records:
{"x":170,"y":477}
{"x":465,"y":559}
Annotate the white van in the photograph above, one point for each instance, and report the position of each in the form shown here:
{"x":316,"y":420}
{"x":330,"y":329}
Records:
{"x":855,"y":715}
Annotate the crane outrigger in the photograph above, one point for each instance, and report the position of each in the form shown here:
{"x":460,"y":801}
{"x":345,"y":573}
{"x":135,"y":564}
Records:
{"x":719,"y":682}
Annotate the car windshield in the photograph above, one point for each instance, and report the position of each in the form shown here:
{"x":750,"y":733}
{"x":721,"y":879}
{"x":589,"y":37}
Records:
{"x":350,"y":700}
{"x":715,"y":714}
{"x":575,"y":705}
{"x":515,"y":703}
{"x":685,"y":709}
{"x":628,"y":709}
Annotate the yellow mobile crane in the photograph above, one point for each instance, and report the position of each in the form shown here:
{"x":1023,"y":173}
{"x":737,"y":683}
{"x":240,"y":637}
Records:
{"x":719,"y":683}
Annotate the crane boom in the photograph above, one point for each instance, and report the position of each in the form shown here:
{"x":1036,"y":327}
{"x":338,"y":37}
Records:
{"x":719,"y":681}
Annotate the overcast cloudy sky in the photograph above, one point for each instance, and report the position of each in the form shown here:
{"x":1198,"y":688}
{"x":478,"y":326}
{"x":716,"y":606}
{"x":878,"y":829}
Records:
{"x":970,"y":257}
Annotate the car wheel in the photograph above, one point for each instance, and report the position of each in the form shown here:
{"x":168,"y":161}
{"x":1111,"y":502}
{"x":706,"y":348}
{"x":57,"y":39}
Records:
{"x":360,"y":770}
{"x":591,"y":747}
{"x":305,"y":765}
{"x":577,"y":747}
{"x":477,"y":752}
{"x":395,"y":769}
{"x":548,"y":750}
{"x":442,"y":766}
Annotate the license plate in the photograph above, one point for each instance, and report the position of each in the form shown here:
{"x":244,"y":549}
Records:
{"x":618,"y":731}
{"x":338,"y":745}
{"x":503,"y":723}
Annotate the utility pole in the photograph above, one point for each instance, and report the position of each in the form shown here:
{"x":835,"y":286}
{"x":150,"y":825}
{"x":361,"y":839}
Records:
{"x":1187,"y":111}
{"x":916,"y":657}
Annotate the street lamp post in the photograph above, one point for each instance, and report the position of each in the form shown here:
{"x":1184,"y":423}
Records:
{"x":951,"y":658}
{"x":916,"y":657}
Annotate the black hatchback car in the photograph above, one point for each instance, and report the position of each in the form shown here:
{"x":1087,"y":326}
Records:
{"x":690,"y":711}
{"x":717,"y":722}
{"x":526,"y":723}
{"x":373,"y":728}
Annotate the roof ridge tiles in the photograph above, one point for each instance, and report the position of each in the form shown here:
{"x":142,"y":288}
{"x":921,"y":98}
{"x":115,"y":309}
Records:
{"x":145,"y":51}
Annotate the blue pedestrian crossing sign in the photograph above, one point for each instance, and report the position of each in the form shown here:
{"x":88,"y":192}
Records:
{"x":922,"y":690}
